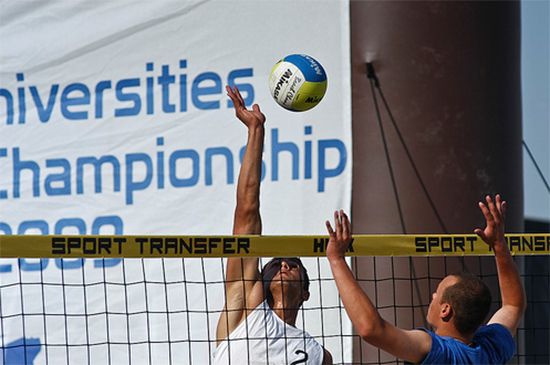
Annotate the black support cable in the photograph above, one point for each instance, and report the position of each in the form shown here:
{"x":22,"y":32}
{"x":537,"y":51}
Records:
{"x":374,"y":83}
{"x":536,"y":165}
{"x":370,"y":71}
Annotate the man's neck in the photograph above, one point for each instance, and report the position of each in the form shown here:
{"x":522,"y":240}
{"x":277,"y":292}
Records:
{"x":450,"y":331}
{"x":288,"y":314}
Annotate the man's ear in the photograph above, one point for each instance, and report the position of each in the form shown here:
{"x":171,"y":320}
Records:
{"x":305,"y":295}
{"x":446,"y":312}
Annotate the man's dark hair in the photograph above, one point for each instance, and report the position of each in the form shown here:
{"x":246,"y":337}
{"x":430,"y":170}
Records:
{"x":470,"y":299}
{"x":273,"y":266}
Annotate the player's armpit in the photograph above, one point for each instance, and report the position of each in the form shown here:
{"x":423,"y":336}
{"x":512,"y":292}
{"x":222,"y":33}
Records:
{"x":240,"y":301}
{"x":508,"y":316}
{"x":327,"y":357}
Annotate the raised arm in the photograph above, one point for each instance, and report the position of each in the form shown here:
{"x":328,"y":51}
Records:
{"x":409,"y":345}
{"x":243,"y":287}
{"x":511,"y":289}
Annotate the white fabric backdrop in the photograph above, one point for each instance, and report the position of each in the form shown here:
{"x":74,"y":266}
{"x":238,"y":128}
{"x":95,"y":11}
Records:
{"x":82,"y":81}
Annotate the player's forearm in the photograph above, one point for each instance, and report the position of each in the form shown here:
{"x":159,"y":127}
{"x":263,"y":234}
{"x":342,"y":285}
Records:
{"x":248,"y":186}
{"x":361,"y":311}
{"x":511,"y":288}
{"x":247,"y":214}
{"x":247,"y":218}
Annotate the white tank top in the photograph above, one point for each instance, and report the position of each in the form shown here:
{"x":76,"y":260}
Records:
{"x":265,"y":339}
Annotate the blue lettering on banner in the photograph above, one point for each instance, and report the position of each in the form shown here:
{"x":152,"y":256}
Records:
{"x":129,"y":175}
{"x":22,"y":351}
{"x":133,"y":95}
{"x":180,"y":168}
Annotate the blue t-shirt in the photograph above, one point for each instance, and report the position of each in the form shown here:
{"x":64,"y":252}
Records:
{"x":492,"y":344}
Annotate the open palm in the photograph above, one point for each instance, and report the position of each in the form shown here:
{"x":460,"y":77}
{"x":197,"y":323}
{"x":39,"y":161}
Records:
{"x":250,"y":117}
{"x":494,"y":213}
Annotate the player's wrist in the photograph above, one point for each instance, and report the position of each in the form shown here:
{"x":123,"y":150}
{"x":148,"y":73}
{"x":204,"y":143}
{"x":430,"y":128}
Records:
{"x":501,"y":248}
{"x":254,"y":128}
{"x":336,"y":258}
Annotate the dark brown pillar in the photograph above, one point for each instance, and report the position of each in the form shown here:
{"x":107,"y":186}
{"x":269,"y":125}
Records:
{"x":449,"y":73}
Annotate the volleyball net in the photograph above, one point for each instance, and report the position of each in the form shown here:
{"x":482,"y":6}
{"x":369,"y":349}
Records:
{"x":157,"y":299}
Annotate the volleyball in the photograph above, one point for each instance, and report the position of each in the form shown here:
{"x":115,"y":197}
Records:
{"x":298,"y":82}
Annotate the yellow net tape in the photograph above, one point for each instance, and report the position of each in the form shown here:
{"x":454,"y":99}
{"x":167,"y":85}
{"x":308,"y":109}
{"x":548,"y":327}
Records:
{"x":73,"y":246}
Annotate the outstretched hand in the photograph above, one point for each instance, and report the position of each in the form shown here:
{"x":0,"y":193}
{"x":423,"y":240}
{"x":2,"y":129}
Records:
{"x":494,"y":213}
{"x":340,"y":236}
{"x":251,"y":118}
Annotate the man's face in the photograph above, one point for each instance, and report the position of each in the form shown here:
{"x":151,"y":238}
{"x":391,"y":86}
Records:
{"x":434,"y":310}
{"x":287,"y":279}
{"x":289,"y":272}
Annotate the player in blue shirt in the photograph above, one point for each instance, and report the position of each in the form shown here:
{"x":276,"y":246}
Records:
{"x":457,"y":309}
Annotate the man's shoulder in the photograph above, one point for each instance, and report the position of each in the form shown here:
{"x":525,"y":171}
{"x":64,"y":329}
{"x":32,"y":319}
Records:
{"x":494,"y":335}
{"x":446,"y":350}
{"x":491,"y":344}
{"x":493,"y":329}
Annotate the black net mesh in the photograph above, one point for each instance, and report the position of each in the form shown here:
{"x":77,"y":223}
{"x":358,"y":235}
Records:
{"x":164,"y":311}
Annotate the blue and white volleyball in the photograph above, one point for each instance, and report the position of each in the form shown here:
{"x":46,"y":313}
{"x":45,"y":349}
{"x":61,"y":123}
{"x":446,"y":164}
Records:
{"x":298,"y":82}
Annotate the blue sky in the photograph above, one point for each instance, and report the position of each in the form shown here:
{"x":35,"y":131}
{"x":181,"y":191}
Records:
{"x":535,"y":71}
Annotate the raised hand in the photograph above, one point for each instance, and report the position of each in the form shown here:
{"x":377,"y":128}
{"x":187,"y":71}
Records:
{"x":494,"y":213}
{"x":340,"y":236}
{"x":251,"y":118}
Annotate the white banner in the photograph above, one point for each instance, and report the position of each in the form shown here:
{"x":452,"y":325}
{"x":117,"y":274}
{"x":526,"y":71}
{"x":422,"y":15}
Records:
{"x":114,"y":119}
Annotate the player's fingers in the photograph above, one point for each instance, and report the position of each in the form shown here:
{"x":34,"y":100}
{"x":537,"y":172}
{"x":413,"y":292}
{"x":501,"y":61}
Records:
{"x":335,"y":225}
{"x":497,"y":209}
{"x":239,"y":96}
{"x":491,"y":205}
{"x":231,"y":94}
{"x":345,"y":224}
{"x":329,"y":228}
{"x":344,"y":215}
{"x":236,"y":104}
{"x":486,"y":213}
{"x":501,"y":205}
{"x":236,"y":95}
{"x":480,"y":233}
{"x":338,"y":223}
{"x":498,"y":203}
{"x":256,"y":108}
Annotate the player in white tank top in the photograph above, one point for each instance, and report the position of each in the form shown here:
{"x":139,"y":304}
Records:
{"x":257,"y":323}
{"x":267,"y":339}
